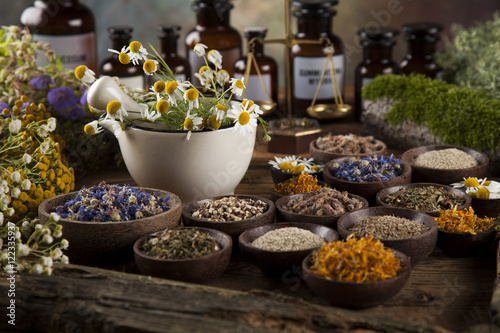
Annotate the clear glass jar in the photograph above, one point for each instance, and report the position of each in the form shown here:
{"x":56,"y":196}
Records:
{"x":131,"y":76}
{"x":377,"y":60}
{"x":68,"y":26}
{"x":268,"y":68}
{"x":307,"y":61}
{"x":214,"y":30}
{"x":422,"y":39}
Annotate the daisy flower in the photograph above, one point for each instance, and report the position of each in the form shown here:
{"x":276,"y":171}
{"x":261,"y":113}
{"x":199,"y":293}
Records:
{"x":219,"y":111}
{"x":205,"y":75}
{"x":15,"y":126}
{"x":237,"y":86}
{"x":192,"y":123}
{"x":85,"y":74}
{"x":222,"y":77}
{"x":199,"y":49}
{"x":151,"y":116}
{"x":114,"y":110}
{"x":480,"y":188}
{"x":284,"y":163}
{"x":162,"y":106}
{"x":215,"y":58}
{"x":92,"y":128}
{"x":136,"y":52}
{"x":157,"y":88}
{"x":122,"y":55}
{"x":245,"y":122}
{"x":191,"y":96}
{"x":150,"y":67}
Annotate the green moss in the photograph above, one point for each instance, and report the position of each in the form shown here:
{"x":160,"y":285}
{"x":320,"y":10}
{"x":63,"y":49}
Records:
{"x":458,"y":115}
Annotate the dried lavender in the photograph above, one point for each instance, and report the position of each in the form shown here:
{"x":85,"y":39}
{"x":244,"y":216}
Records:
{"x":368,"y":169}
{"x":108,"y":203}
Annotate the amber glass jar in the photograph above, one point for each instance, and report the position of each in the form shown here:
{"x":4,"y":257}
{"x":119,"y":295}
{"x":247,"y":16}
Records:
{"x":68,"y":26}
{"x":422,"y":39}
{"x":131,"y":76}
{"x":214,"y":30}
{"x":169,"y":36}
{"x":267,"y":66}
{"x":314,"y":21}
{"x":377,"y":60}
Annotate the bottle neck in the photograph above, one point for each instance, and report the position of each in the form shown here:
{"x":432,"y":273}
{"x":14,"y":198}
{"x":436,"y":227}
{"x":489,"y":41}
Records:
{"x":168,"y":47}
{"x":377,"y":53}
{"x":211,"y":17}
{"x":258,"y":48}
{"x":313,"y":25}
{"x":421,"y":48}
{"x":119,"y":43}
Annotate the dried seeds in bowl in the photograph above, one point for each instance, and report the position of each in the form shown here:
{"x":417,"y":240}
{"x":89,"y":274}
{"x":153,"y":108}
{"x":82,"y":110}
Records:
{"x":448,"y":159}
{"x":387,"y":227}
{"x":349,"y":144}
{"x":325,"y":201}
{"x":228,"y":209}
{"x":288,"y":239}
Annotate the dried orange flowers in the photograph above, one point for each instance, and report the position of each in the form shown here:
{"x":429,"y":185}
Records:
{"x":302,"y":183}
{"x":463,"y":221}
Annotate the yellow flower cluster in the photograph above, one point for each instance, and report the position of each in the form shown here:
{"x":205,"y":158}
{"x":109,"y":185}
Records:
{"x":32,"y":165}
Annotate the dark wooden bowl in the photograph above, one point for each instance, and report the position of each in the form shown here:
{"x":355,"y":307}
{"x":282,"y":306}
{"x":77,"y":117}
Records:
{"x":108,"y":242}
{"x":280,"y":176}
{"x":367,"y":190}
{"x":382,"y":193}
{"x":197,"y":270}
{"x":283,"y":215}
{"x":463,"y":244}
{"x":417,"y":247}
{"x":234,"y":228}
{"x":274,"y":262}
{"x":352,"y":294}
{"x":275,"y":195}
{"x":486,"y":207}
{"x":323,"y":156}
{"x":441,"y":176}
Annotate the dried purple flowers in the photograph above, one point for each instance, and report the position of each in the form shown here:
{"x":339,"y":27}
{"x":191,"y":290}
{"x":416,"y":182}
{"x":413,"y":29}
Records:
{"x":111,"y":203}
{"x":368,"y":169}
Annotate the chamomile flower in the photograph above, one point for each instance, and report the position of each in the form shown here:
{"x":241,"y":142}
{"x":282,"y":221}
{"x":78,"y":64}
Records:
{"x":85,"y":74}
{"x":51,"y":124}
{"x":157,"y":88}
{"x":192,"y":123}
{"x":150,"y":67}
{"x":250,"y":106}
{"x":27,"y":158}
{"x":480,"y":188}
{"x":92,"y":128}
{"x":199,"y":49}
{"x":222,"y":77}
{"x":122,"y":55}
{"x":114,"y":110}
{"x":136,"y":52}
{"x":15,"y":176}
{"x":192,"y":97}
{"x":175,"y":90}
{"x":215,"y":58}
{"x":205,"y":75}
{"x":244,"y":121}
{"x":237,"y":86}
{"x":15,"y":126}
{"x":152,"y":116}
{"x":284,"y":163}
{"x":219,"y":111}
{"x":162,"y":106}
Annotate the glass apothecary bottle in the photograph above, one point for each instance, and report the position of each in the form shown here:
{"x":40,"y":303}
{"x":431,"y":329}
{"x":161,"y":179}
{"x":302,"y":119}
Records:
{"x":131,"y":76}
{"x":307,"y":61}
{"x":214,"y":30}
{"x":422,"y":39}
{"x":169,"y":36}
{"x":258,"y":88}
{"x":68,"y":26}
{"x":377,"y":60}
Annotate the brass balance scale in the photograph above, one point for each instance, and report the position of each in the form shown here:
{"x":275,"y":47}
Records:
{"x":292,"y":135}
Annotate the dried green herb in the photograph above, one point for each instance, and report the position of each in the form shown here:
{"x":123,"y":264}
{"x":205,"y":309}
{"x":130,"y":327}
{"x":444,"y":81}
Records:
{"x":180,"y":244}
{"x":426,"y":198}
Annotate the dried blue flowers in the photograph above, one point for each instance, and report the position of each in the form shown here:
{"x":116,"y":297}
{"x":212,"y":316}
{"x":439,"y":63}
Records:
{"x":110,"y":203}
{"x":368,"y":169}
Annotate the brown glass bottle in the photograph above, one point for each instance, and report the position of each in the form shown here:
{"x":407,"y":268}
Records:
{"x":307,"y":61}
{"x":267,"y":66}
{"x":68,"y":26}
{"x":168,"y":36}
{"x":422,"y":39}
{"x":377,"y":60}
{"x":131,"y":76}
{"x":213,"y":29}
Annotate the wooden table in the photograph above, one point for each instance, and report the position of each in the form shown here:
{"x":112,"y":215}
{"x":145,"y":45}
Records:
{"x":443,"y":294}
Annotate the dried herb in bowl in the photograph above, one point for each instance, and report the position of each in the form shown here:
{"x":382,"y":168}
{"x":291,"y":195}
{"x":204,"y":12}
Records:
{"x":180,"y":243}
{"x":112,"y":203}
{"x":368,"y":169}
{"x":298,"y":184}
{"x":387,"y":227}
{"x":463,"y":221}
{"x":426,"y":198}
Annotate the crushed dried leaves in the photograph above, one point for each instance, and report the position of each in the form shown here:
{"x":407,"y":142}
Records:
{"x":463,"y":221}
{"x":355,"y":260}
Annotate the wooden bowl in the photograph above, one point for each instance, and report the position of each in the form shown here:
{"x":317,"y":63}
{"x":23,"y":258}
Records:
{"x":196,"y":270}
{"x":279,"y":176}
{"x":352,"y":294}
{"x":368,"y":190}
{"x":275,"y":195}
{"x":323,"y":156}
{"x":417,"y":247}
{"x":463,"y":244}
{"x":442,"y":176}
{"x":108,"y":242}
{"x":382,"y":193}
{"x":278,"y":262}
{"x":233,"y":228}
{"x":486,"y":207}
{"x":283,"y":215}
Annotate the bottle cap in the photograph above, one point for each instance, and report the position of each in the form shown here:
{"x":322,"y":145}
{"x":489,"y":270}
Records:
{"x":422,"y":30}
{"x":120,"y":31}
{"x":168,"y":31}
{"x":314,"y":7}
{"x":378,"y":36}
{"x":220,"y":5}
{"x":251,"y":32}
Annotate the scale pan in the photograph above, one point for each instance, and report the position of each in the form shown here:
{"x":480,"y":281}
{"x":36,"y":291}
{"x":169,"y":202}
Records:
{"x":267,"y":107}
{"x":329,"y":111}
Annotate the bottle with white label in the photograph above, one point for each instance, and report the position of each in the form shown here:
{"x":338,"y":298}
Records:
{"x":214,"y":30}
{"x":377,"y":59}
{"x":68,"y":26}
{"x":314,"y":21}
{"x":258,"y":88}
{"x":130,"y":75}
{"x":168,"y":36}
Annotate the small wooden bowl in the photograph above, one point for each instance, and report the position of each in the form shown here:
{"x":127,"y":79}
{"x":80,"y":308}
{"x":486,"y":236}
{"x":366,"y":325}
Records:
{"x":382,"y":193}
{"x":323,"y":156}
{"x":277,"y":262}
{"x":279,"y":176}
{"x":463,"y":244}
{"x":108,"y":242}
{"x":197,"y":270}
{"x":367,"y":190}
{"x":283,"y":215}
{"x":233,"y":228}
{"x":486,"y":207}
{"x":442,"y":176}
{"x":417,"y":247}
{"x":352,"y":294}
